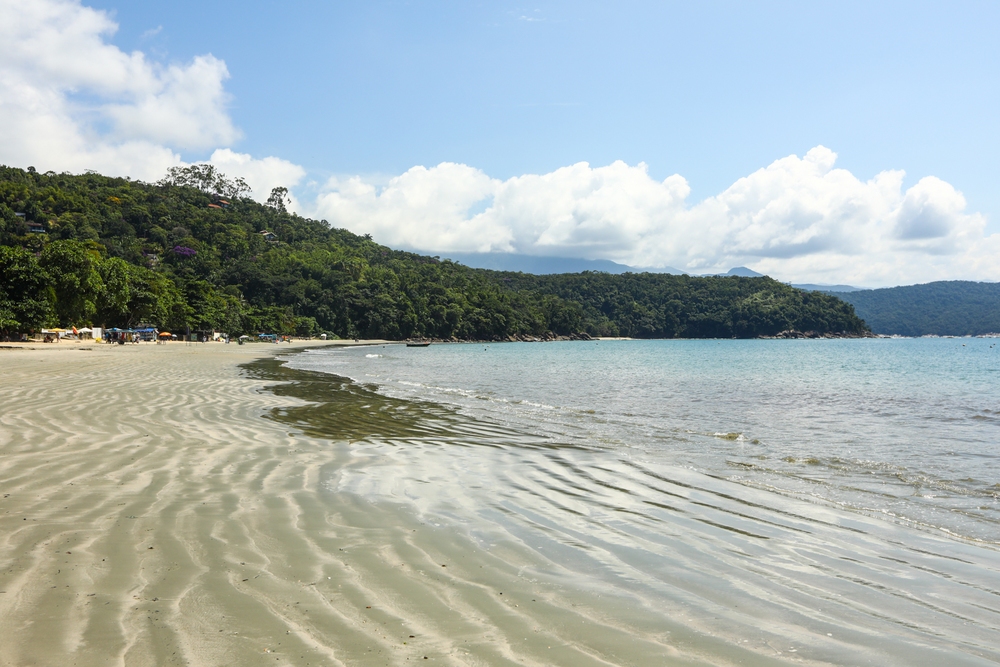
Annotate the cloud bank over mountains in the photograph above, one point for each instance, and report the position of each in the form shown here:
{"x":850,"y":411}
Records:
{"x":71,"y":101}
{"x":798,"y":218}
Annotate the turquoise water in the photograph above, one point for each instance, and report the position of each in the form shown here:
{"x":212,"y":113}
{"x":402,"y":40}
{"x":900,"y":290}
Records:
{"x":907,"y":426}
{"x":839,"y":494}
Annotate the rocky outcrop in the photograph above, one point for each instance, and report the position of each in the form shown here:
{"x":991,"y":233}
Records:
{"x":547,"y":336}
{"x":792,"y":333}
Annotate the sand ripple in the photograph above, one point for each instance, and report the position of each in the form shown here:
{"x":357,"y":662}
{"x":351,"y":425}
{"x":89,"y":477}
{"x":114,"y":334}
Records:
{"x":156,"y":512}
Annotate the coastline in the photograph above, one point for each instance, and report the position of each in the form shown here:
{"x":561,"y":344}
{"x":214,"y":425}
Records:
{"x":204,"y":504}
{"x":151,"y":514}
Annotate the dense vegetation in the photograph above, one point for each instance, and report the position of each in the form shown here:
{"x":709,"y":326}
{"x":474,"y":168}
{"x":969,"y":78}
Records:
{"x":659,"y":305}
{"x":947,"y":308}
{"x":189,"y":252}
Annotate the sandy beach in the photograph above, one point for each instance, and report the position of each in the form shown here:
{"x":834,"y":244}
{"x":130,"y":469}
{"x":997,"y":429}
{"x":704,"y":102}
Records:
{"x":210,"y":505}
{"x":151,"y":515}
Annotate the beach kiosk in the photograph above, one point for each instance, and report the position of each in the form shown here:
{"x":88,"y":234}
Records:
{"x":120,"y":336}
{"x":145,"y":333}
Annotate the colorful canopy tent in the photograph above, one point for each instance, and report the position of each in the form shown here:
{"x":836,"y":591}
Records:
{"x":145,"y":333}
{"x":121,"y":336}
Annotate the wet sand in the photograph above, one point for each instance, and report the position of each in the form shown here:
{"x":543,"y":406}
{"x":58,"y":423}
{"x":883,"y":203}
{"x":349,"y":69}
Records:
{"x":152,"y":515}
{"x":177,"y":504}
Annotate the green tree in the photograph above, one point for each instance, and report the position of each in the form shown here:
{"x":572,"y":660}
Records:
{"x":76,"y":280}
{"x":26,"y":295}
{"x":278,"y":199}
{"x":208,"y":179}
{"x":134,"y":294}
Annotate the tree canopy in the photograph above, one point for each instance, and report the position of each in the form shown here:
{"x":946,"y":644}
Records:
{"x":193,"y":250}
{"x":943,"y":308}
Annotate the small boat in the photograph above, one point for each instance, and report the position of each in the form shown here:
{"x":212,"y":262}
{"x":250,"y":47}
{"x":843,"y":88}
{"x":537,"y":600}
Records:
{"x":417,"y":343}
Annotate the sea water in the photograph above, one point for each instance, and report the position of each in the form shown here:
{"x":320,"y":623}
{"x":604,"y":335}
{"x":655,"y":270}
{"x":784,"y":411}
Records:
{"x":837,"y":500}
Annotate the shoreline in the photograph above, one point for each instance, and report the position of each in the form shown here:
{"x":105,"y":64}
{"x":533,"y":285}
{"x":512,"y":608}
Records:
{"x":269,"y":347}
{"x":152,"y":513}
{"x":204,"y":504}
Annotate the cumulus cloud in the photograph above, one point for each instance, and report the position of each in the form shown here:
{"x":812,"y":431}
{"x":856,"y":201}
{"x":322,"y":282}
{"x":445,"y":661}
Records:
{"x":799,"y":217}
{"x":425,"y":209}
{"x":70,"y":100}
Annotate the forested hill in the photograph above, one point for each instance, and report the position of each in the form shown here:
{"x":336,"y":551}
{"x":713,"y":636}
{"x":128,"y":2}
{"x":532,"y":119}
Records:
{"x":947,"y":308}
{"x":194,"y":251}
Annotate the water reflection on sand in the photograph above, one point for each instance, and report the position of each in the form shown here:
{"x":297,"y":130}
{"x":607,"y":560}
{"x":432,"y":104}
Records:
{"x":612,"y":557}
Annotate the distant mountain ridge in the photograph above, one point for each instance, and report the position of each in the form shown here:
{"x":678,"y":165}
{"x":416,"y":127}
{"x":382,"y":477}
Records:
{"x":540,"y":265}
{"x":832,"y":289}
{"x":945,"y":308}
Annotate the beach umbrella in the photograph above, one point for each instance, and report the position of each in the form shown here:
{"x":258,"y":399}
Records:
{"x":164,"y":334}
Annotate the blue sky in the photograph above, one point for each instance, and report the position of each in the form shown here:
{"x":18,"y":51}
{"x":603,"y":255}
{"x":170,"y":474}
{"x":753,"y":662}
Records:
{"x":711,"y":91}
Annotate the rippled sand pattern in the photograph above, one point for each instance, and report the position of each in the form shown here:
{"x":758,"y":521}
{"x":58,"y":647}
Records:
{"x":693,"y":566}
{"x":151,"y":516}
{"x":158,"y":508}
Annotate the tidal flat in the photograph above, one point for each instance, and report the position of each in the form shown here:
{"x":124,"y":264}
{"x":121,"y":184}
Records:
{"x":210,"y":505}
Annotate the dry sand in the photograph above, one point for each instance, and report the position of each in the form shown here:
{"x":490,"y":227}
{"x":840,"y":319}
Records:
{"x":151,"y":515}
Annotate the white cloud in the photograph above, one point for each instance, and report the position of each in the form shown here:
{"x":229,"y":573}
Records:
{"x":179,"y":106}
{"x":71,"y":101}
{"x":426,"y":209}
{"x":797,"y":218}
